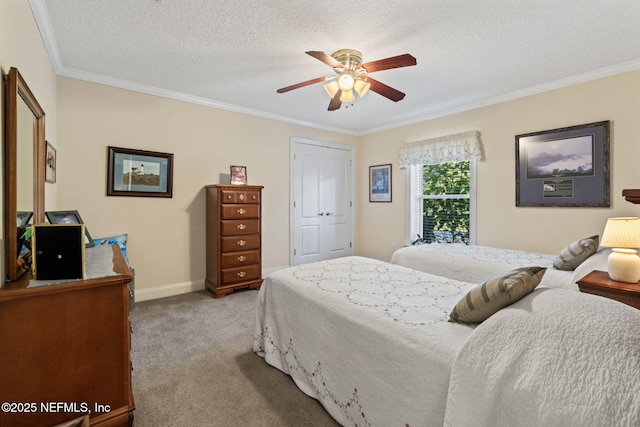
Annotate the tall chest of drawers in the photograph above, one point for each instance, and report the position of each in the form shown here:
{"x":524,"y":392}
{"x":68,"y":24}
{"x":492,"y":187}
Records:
{"x":234,"y":238}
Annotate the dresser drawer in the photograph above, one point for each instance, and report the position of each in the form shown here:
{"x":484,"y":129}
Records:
{"x":240,"y":243}
{"x":240,"y":226}
{"x":238,"y":211}
{"x":240,"y":274}
{"x":239,"y":259}
{"x":238,"y":196}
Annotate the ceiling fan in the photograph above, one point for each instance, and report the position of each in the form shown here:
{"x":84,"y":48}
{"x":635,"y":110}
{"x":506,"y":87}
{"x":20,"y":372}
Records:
{"x":352,"y":75}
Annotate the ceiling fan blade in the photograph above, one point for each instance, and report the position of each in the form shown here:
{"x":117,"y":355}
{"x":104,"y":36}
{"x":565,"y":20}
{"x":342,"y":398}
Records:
{"x":384,"y":90}
{"x":301,"y":84}
{"x":335,"y":103}
{"x":399,"y":61}
{"x":327,"y":59}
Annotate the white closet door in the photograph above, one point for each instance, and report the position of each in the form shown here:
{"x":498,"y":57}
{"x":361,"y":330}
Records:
{"x":322,"y":206}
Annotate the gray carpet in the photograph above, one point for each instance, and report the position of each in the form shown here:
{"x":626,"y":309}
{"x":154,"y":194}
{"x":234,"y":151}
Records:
{"x":194,"y":366}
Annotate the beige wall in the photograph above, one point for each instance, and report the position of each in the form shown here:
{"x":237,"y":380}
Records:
{"x":21,"y":47}
{"x":500,"y":223}
{"x":167,"y":236}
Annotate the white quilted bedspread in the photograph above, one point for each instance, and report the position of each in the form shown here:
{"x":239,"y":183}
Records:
{"x":368,"y":339}
{"x":475,"y":264}
{"x":555,"y":358}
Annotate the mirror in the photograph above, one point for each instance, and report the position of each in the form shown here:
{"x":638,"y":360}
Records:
{"x":24,"y":170}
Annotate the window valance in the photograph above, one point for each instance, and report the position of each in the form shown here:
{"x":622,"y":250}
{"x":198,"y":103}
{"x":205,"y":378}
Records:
{"x":450,"y":148}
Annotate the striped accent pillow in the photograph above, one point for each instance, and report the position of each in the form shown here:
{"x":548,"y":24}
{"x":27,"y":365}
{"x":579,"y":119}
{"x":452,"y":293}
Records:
{"x":575,"y":254}
{"x":495,"y":294}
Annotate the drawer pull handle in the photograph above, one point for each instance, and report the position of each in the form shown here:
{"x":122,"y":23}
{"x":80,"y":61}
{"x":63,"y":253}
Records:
{"x":241,"y":243}
{"x":229,"y":196}
{"x":241,"y":197}
{"x":242,"y":258}
{"x":253,"y":197}
{"x":241,"y":274}
{"x":241,"y":211}
{"x":241,"y":227}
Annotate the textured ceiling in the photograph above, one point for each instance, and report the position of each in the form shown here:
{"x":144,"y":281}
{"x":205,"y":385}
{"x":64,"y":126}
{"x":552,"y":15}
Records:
{"x":234,"y":54}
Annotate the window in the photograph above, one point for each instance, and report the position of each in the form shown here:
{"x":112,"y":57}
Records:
{"x":443,"y":202}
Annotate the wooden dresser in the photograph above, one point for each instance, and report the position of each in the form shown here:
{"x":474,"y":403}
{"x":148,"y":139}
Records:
{"x":234,"y":249}
{"x":65,"y":351}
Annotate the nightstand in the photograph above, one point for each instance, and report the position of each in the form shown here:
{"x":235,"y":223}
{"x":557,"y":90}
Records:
{"x":599,"y":283}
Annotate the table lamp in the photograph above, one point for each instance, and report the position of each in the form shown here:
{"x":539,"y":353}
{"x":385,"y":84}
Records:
{"x":623,"y":236}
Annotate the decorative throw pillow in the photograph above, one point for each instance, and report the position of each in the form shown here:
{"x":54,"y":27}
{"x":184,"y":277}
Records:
{"x":115,"y":240}
{"x":575,"y":254}
{"x":495,"y":294}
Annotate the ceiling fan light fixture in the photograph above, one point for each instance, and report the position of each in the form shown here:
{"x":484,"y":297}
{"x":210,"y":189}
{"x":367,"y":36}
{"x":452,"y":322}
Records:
{"x":346,"y":81}
{"x":332,"y":88}
{"x":351,"y":75}
{"x":347,"y":96}
{"x":361,"y":87}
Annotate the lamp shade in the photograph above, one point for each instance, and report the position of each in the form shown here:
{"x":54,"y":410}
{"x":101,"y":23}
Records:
{"x":361,"y":87}
{"x":332,"y":88}
{"x":347,"y":96}
{"x":623,"y":235}
{"x":623,"y":232}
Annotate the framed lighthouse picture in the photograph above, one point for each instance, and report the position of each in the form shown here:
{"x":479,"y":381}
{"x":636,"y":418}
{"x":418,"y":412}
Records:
{"x":139,"y":173}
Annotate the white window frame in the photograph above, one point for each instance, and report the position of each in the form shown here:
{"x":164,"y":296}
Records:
{"x":415,"y":197}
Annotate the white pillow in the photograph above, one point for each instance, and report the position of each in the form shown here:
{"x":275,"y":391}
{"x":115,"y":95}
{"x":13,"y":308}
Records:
{"x":597,"y":261}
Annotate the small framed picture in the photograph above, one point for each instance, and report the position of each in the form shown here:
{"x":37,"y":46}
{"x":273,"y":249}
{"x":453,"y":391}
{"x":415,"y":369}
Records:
{"x":23,"y":218}
{"x":380,"y":183}
{"x":69,"y":217}
{"x":50,"y":164}
{"x":238,"y":175}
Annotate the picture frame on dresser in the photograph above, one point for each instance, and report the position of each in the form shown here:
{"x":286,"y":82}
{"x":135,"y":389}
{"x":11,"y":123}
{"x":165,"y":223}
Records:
{"x":238,"y":175}
{"x":23,"y":218}
{"x":69,"y":217}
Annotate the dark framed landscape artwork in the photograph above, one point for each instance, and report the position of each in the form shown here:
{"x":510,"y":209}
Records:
{"x":566,"y":167}
{"x":139,"y":173}
{"x":380,"y":183}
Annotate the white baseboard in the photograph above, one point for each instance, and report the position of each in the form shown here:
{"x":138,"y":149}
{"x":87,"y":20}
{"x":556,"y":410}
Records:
{"x":168,"y":290}
{"x":182,"y":288}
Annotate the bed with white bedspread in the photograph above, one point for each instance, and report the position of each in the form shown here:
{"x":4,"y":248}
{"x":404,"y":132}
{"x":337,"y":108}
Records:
{"x":475,"y":264}
{"x":554,"y":358}
{"x":371,"y":341}
{"x":368,"y":339}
